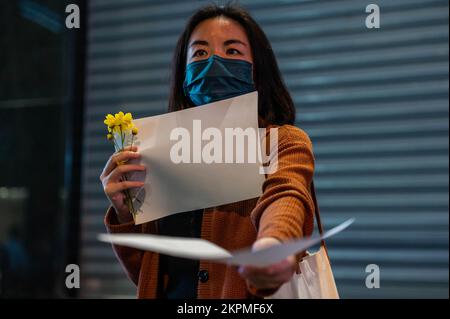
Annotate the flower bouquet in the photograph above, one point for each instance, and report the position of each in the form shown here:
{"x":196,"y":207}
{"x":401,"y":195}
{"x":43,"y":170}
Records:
{"x":122,"y":132}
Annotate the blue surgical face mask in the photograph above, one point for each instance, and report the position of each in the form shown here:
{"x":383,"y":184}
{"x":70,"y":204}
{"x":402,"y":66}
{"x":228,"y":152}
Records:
{"x":216,"y":79}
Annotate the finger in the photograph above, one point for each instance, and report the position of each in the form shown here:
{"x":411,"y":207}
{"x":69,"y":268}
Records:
{"x":262,"y":278}
{"x":119,"y":171}
{"x":133,"y":148}
{"x":123,"y":156}
{"x":121,"y":186}
{"x":263,"y":284}
{"x":117,"y":158}
{"x":280,"y":272}
{"x":256,"y":271}
{"x":268,"y":281}
{"x":287,"y":264}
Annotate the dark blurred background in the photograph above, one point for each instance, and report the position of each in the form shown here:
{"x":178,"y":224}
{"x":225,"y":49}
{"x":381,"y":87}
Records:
{"x":40,"y":103}
{"x":374,"y":102}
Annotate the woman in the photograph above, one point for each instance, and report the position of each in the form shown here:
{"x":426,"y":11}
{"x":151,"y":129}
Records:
{"x":223,"y":53}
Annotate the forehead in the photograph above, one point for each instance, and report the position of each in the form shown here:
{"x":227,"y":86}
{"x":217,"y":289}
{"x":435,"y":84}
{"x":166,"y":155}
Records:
{"x":221,"y":28}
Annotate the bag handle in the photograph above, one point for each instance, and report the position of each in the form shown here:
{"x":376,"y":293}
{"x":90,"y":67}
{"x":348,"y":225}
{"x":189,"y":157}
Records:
{"x":317,"y":215}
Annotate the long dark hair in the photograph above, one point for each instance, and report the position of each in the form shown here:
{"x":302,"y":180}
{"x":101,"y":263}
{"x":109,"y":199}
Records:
{"x":275,"y":102}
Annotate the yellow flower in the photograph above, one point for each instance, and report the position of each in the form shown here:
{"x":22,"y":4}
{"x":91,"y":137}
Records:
{"x":127,"y":118}
{"x":127,"y":122}
{"x":120,"y":123}
{"x":118,"y":118}
{"x":110,"y":121}
{"x":123,"y":121}
{"x":109,"y":136}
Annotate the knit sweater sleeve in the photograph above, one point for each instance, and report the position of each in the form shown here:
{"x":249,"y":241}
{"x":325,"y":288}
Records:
{"x":130,"y":258}
{"x":286,"y":200}
{"x":282,"y":210}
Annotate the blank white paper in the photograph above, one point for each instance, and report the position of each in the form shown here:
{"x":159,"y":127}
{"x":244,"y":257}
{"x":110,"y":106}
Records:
{"x":196,"y":248}
{"x":173,"y":188}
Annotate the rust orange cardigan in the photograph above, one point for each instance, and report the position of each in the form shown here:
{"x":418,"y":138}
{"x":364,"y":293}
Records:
{"x":284,"y":211}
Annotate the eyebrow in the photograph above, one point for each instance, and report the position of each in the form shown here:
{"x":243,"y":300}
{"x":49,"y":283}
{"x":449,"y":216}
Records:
{"x":234,"y":41}
{"x":228,"y":42}
{"x":199,"y":42}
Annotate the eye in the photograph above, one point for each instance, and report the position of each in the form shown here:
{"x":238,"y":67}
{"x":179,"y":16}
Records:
{"x":199,"y":53}
{"x":232,"y":51}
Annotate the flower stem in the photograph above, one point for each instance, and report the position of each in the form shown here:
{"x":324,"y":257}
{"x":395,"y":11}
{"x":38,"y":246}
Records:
{"x":128,"y":197}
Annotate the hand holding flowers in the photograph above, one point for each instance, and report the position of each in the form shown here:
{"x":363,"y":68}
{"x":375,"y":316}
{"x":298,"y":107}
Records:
{"x":116,"y":184}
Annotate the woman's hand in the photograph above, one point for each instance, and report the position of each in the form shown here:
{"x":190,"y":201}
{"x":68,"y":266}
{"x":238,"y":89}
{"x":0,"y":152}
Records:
{"x":272,"y":276}
{"x":114,"y":183}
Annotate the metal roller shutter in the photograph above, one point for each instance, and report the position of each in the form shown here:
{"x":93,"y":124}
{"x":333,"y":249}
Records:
{"x":374,"y":102}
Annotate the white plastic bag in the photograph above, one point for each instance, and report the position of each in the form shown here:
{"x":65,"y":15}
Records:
{"x":315,"y":280}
